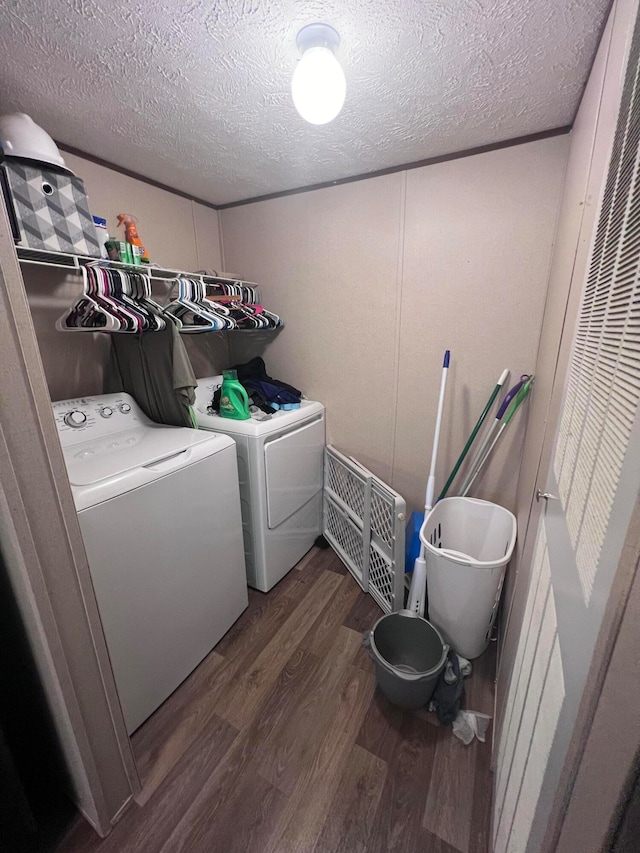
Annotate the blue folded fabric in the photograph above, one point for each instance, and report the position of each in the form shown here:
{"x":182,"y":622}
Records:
{"x":271,"y":393}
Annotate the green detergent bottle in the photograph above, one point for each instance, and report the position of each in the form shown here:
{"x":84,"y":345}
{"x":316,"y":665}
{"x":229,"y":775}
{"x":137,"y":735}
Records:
{"x":234,"y":402}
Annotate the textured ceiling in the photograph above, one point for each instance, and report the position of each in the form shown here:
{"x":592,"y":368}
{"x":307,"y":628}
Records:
{"x":196,"y":94}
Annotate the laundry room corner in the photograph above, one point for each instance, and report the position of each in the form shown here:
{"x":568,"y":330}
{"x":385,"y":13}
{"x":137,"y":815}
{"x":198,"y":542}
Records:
{"x":374,"y":280}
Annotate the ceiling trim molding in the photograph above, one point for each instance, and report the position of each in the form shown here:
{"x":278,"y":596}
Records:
{"x":390,"y":170}
{"x":69,"y":149}
{"x":418,"y":164}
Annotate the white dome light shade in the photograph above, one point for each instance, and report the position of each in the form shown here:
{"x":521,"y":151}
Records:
{"x":318,"y":86}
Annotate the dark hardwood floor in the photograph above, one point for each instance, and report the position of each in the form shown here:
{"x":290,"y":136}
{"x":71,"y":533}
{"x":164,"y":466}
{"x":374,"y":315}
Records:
{"x":279,"y":742}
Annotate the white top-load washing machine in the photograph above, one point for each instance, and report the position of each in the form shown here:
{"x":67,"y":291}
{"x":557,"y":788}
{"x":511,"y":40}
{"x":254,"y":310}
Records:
{"x":159,"y":512}
{"x":280,"y":466}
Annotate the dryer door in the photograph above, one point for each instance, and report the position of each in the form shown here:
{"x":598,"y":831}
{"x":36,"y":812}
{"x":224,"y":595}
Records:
{"x":293,"y":470}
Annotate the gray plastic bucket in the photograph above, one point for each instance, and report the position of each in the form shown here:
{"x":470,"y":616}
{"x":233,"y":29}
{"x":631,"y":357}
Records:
{"x":409,"y":654}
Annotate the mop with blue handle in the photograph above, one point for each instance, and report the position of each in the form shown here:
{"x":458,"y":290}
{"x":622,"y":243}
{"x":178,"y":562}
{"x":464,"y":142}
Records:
{"x":418,"y":588}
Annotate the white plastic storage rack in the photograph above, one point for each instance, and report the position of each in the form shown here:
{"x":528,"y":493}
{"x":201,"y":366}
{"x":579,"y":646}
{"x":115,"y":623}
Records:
{"x":364,"y":522}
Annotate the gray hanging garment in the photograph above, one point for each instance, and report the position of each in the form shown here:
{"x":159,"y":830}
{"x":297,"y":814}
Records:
{"x":155,"y":369}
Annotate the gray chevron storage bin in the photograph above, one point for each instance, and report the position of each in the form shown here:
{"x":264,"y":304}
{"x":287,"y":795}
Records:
{"x":49,"y":209}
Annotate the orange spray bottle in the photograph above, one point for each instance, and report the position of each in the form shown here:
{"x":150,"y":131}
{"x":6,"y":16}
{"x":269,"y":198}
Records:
{"x":131,"y":234}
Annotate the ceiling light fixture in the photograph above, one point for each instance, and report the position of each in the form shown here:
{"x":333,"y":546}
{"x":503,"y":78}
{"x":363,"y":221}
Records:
{"x":318,"y":86}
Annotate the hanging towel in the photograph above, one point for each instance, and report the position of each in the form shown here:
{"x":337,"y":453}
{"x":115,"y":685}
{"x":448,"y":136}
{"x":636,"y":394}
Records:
{"x":155,"y":369}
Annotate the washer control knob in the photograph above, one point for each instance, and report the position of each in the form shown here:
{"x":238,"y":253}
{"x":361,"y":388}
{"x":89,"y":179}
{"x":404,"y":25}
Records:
{"x":75,"y":418}
{"x":125,"y":408}
{"x":106,"y":411}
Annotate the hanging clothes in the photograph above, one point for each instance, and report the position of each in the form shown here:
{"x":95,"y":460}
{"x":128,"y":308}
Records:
{"x":155,"y":369}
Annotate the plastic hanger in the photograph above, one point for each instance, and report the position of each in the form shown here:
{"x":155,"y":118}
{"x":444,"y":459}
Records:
{"x":101,"y":291}
{"x":219,"y":311}
{"x":195,"y":318}
{"x":87,"y":315}
{"x":143,"y":279}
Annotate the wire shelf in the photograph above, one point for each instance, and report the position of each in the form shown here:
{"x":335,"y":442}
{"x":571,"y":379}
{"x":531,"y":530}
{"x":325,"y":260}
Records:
{"x":74,"y":264}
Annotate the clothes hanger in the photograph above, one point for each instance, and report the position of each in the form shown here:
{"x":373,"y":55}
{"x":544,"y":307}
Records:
{"x":134,"y":290}
{"x":195,"y":288}
{"x":87,"y":315}
{"x":125,"y":291}
{"x":276,"y":322}
{"x":137,"y":289}
{"x":195,"y":318}
{"x":211,"y":306}
{"x":143,"y":281}
{"x":115,"y":285}
{"x":101,"y":290}
{"x":223,"y":305}
{"x":115,"y":300}
{"x":242,"y":316}
{"x":246,"y":315}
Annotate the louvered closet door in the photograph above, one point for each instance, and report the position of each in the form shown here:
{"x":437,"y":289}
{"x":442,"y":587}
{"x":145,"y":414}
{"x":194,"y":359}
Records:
{"x":594,"y":477}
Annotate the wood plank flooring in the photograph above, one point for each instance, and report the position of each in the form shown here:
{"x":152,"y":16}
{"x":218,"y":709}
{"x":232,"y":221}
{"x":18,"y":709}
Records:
{"x":279,"y":742}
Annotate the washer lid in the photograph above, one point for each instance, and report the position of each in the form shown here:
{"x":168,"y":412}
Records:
{"x":110,"y":456}
{"x":253,"y":427}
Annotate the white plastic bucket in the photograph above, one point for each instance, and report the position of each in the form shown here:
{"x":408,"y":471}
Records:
{"x":468,"y":544}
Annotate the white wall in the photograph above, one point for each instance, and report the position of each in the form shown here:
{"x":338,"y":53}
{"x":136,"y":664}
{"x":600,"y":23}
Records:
{"x":328,"y":262}
{"x":376,"y":278}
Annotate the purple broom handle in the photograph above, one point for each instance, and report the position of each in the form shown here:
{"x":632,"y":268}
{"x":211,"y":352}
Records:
{"x":510,"y":395}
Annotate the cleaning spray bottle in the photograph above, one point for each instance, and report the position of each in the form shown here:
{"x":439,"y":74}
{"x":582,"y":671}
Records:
{"x":133,"y":238}
{"x":234,"y":402}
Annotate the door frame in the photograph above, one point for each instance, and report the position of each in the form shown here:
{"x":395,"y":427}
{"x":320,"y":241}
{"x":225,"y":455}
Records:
{"x":602,"y":753}
{"x":48,"y":570}
{"x":569,"y":264}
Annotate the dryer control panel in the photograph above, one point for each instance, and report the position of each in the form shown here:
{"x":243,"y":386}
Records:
{"x":92,"y":417}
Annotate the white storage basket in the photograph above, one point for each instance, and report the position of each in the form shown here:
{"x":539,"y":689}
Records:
{"x":468,"y":543}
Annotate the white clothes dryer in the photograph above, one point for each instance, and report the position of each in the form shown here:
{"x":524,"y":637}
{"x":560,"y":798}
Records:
{"x":280,"y":468}
{"x":159,"y":511}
